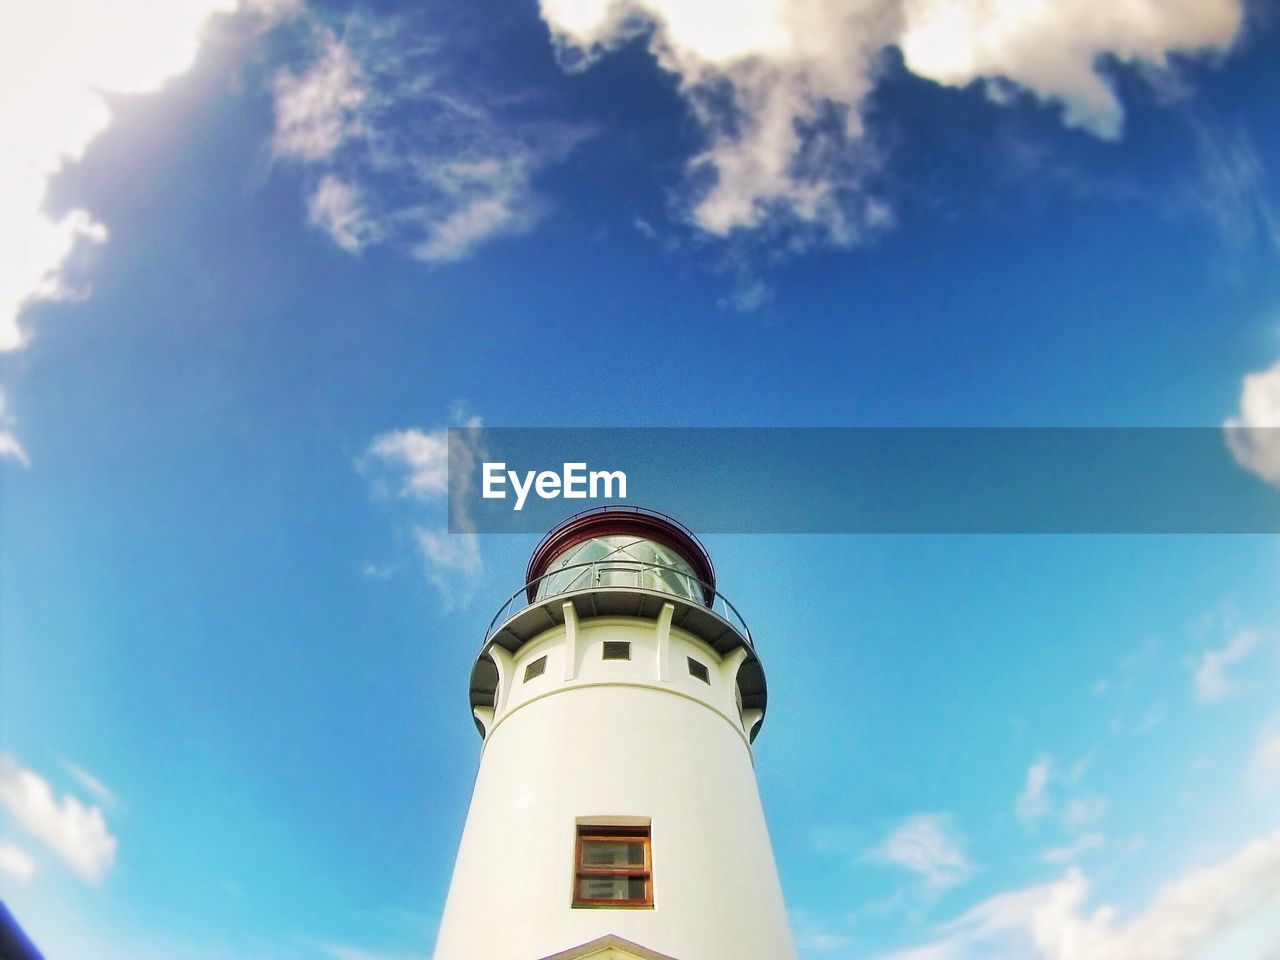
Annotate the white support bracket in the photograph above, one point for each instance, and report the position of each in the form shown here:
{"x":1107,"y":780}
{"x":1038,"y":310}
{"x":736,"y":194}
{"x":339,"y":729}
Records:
{"x":663,"y":634}
{"x":570,"y":640}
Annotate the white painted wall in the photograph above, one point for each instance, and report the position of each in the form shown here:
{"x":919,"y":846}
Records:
{"x":593,"y":738}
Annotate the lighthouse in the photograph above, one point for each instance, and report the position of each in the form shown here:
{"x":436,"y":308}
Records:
{"x":615,"y":814}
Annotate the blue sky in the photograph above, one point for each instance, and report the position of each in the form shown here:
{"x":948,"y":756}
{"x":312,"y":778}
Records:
{"x":255,"y":257}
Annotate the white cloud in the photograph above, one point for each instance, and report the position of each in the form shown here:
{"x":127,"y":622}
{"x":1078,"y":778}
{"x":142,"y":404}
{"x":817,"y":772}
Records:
{"x":417,"y":460}
{"x":60,"y":61}
{"x":1054,"y":921}
{"x":1254,"y":435}
{"x":75,"y":832}
{"x":1052,"y":49}
{"x":16,"y":862}
{"x":755,"y":74}
{"x":929,"y":846}
{"x":414,"y":465}
{"x":1211,"y":680}
{"x":778,"y":86}
{"x":402,"y":159}
{"x":1033,"y":800}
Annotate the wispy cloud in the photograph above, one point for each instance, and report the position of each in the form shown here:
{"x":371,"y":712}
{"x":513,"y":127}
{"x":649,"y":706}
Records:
{"x":928,"y":845}
{"x":399,"y":155}
{"x":92,"y":784}
{"x":779,"y":90}
{"x":414,"y":465}
{"x":1232,"y":190}
{"x":1253,"y":435}
{"x":1210,"y":677}
{"x":338,"y":209}
{"x":16,"y":862}
{"x":74,"y":831}
{"x":748,"y":295}
{"x":1055,"y":921}
{"x":451,"y":561}
{"x":378,"y":571}
{"x":1039,"y":797}
{"x":1069,"y":852}
{"x":1033,"y":799}
{"x":813,"y":938}
{"x":1079,"y":812}
{"x":316,"y":110}
{"x":9,"y":446}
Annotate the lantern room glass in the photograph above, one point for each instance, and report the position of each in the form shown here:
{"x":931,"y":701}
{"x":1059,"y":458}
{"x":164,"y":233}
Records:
{"x":622,"y":561}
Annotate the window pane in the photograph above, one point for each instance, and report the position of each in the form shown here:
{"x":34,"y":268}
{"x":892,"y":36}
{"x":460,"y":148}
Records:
{"x":612,"y":888}
{"x":612,"y":853}
{"x":535,"y":669}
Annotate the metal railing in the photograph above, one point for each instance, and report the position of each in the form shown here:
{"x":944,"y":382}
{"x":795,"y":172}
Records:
{"x":630,"y":574}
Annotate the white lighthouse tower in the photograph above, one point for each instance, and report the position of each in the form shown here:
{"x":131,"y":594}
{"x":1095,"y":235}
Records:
{"x":615,"y":813}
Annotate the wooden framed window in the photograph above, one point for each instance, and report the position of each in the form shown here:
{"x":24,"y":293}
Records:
{"x":613,"y":867}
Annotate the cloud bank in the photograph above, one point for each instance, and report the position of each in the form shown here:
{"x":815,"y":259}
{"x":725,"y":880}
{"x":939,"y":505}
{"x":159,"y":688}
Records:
{"x":779,"y":87}
{"x":61,"y":60}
